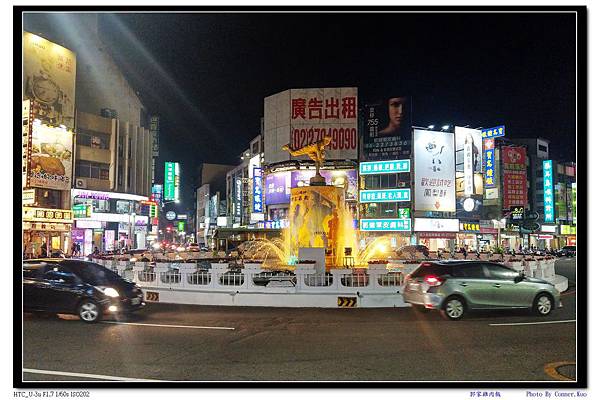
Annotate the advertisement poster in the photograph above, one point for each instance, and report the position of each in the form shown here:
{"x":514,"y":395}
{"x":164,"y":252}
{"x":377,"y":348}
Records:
{"x":386,"y":129}
{"x":514,"y":164}
{"x":51,"y":160}
{"x":49,"y":80}
{"x":299,"y":117}
{"x":346,"y":179}
{"x":277,"y":188}
{"x":434,"y":165}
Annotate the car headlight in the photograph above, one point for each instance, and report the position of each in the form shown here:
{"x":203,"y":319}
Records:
{"x":110,"y":292}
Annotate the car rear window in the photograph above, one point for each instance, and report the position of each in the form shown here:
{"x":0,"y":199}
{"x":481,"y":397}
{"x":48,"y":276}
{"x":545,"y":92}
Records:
{"x":431,"y":269}
{"x":93,"y":273}
{"x":473,"y":271}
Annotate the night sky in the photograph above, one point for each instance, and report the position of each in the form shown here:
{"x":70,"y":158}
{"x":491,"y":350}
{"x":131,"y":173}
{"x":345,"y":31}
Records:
{"x":206,"y":74}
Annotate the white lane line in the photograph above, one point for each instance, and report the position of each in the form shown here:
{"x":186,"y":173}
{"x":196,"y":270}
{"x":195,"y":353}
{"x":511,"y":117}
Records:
{"x":171,"y":326}
{"x":79,"y":375}
{"x":535,"y":323}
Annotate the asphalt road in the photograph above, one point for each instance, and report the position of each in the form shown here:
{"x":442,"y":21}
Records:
{"x":304,"y":344}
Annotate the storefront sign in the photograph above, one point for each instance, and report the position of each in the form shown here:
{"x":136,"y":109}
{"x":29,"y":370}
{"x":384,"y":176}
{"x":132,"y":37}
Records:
{"x":154,"y":134}
{"x":40,"y":226}
{"x":111,"y":217}
{"x":437,"y":235}
{"x":180,"y":226}
{"x":141,"y":220}
{"x":109,"y":240}
{"x":170,"y":215}
{"x":277,"y":224}
{"x":435,"y":176}
{"x":568,"y":230}
{"x":257,"y":198}
{"x":436,"y":225}
{"x":384,"y":167}
{"x":32,"y":214}
{"x":386,"y":195}
{"x":88,"y":224}
{"x":97,"y":195}
{"x":548,"y":191}
{"x":489,"y":162}
{"x":487,"y":226}
{"x":469,"y":227}
{"x":491,"y":194}
{"x":398,"y":225}
{"x":514,"y":165}
{"x":541,"y":237}
{"x":404,"y":213}
{"x":344,"y":178}
{"x":494,"y":132}
{"x":157,"y":193}
{"x":182,"y":216}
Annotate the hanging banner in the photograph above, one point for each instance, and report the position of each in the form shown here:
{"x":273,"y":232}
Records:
{"x":434,"y":167}
{"x":514,"y":164}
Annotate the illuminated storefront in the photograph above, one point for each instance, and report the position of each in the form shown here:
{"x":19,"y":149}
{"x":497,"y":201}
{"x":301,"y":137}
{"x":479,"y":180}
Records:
{"x":46,"y":229}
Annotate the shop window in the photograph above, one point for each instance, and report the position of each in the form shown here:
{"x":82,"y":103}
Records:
{"x":123,"y":207}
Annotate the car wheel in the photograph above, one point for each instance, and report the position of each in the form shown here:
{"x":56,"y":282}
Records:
{"x":542,"y":305}
{"x":89,"y":311}
{"x":419,"y":309}
{"x":454,"y":308}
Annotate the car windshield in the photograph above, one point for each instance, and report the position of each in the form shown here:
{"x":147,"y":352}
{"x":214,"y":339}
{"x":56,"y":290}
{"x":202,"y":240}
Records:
{"x":431,"y":269}
{"x":94,"y":274}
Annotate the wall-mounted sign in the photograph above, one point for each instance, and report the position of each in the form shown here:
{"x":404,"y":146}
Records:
{"x":436,"y":225}
{"x":82,"y":211}
{"x":404,"y":213}
{"x":543,"y":237}
{"x":384,"y":167}
{"x":384,"y":195}
{"x":180,"y":226}
{"x":28,"y":197}
{"x":97,"y":195}
{"x":548,"y":191}
{"x":434,"y":171}
{"x":568,"y":230}
{"x":49,"y":161}
{"x":514,"y":165}
{"x":574,"y":201}
{"x":517,"y":213}
{"x":489,"y":163}
{"x":257,"y":198}
{"x":400,"y":225}
{"x":88,"y":224}
{"x":171,"y":181}
{"x":494,"y":132}
{"x":33,"y":214}
{"x":548,"y":228}
{"x":469,"y":227}
{"x":170,"y":215}
{"x":182,"y":216}
{"x":221,"y":221}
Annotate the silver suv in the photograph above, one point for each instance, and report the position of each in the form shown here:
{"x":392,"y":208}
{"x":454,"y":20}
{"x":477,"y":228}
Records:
{"x":454,"y":287}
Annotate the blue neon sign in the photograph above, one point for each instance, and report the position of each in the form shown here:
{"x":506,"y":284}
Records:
{"x":257,"y":198}
{"x":548,"y":191}
{"x":489,"y":162}
{"x":384,"y":196}
{"x":494,"y":132}
{"x":384,"y":167}
{"x":391,"y":224}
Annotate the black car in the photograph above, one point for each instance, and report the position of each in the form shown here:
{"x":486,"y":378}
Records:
{"x":77,"y":287}
{"x":568,"y":251}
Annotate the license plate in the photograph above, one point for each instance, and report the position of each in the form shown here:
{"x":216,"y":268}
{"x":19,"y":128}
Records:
{"x":135,"y":301}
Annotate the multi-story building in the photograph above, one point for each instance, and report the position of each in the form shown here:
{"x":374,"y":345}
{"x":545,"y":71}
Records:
{"x":113,"y":147}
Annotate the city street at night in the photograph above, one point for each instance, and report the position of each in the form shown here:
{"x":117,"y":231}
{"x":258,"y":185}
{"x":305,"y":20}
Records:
{"x":169,"y":342}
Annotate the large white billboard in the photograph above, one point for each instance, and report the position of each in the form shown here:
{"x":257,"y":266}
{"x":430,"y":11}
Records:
{"x":299,"y":117}
{"x":434,"y":168}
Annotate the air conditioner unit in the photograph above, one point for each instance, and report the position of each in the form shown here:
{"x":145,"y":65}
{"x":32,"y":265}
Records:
{"x":80,"y":183}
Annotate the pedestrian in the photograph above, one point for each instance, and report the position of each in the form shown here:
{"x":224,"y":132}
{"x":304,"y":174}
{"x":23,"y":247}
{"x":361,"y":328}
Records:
{"x":29,"y":250}
{"x":43,"y":251}
{"x":73,"y":249}
{"x":96,"y":251}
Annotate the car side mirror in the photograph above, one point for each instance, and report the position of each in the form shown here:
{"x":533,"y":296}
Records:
{"x":519,"y":278}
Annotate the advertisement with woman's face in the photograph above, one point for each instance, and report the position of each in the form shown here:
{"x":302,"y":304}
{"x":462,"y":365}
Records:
{"x":387,"y":129}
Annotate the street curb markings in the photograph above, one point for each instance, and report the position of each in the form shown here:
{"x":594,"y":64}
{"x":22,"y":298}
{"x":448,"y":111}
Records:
{"x":152,"y":296}
{"x":551,"y":370}
{"x":346,"y":302}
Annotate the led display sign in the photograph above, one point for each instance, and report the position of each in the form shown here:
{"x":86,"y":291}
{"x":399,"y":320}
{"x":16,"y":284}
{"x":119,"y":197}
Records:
{"x":387,"y":195}
{"x":171,"y":181}
{"x":257,"y":198}
{"x":548,"y":191}
{"x":384,"y":167}
{"x":489,"y":163}
{"x":400,"y":225}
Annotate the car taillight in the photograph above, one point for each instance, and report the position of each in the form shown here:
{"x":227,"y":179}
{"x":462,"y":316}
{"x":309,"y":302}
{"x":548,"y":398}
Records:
{"x":432,"y":280}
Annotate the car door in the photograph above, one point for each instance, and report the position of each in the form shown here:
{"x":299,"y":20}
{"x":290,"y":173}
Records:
{"x":32,"y":286}
{"x":62,"y":291}
{"x":471,"y":282}
{"x":505,"y":292}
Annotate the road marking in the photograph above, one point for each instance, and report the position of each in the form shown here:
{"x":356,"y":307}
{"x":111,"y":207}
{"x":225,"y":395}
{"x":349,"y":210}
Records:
{"x":550,"y":370}
{"x":534,"y":323}
{"x":171,"y":326}
{"x":79,"y":375}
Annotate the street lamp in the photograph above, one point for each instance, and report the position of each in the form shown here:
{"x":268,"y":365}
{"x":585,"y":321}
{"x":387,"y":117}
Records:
{"x":445,"y":127}
{"x":431,"y":127}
